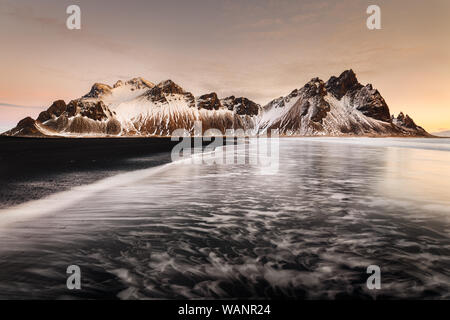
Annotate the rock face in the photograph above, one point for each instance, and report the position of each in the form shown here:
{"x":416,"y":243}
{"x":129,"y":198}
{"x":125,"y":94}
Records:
{"x":137,"y":107}
{"x":346,"y":82}
{"x":209,"y":101}
{"x":164,"y":91}
{"x":364,"y":98}
{"x":341,"y":106}
{"x":97,"y":90}
{"x":405,"y":121}
{"x":242,"y":106}
{"x":26,"y":127}
{"x":55,"y":110}
{"x":299,"y":111}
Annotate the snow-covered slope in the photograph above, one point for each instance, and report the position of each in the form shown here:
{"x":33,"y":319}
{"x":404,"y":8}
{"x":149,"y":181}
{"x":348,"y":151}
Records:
{"x":341,"y":106}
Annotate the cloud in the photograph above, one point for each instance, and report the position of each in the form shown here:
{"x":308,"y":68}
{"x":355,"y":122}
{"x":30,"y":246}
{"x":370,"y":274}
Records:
{"x":2,"y":104}
{"x":28,"y":13}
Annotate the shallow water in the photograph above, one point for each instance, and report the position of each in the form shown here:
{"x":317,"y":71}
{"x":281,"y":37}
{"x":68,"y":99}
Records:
{"x":307,"y":230}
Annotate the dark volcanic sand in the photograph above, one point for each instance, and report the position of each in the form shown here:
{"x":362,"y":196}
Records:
{"x":32,"y":168}
{"x":307,"y":230}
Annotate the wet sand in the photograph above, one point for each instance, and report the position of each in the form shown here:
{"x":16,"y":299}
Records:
{"x":186,"y":230}
{"x":32,"y":168}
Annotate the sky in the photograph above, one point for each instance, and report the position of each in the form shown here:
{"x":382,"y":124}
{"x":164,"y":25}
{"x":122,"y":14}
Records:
{"x":260,"y":49}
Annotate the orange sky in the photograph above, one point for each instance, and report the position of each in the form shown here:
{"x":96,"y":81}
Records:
{"x":261,"y":49}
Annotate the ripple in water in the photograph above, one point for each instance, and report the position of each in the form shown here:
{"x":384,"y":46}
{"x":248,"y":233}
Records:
{"x":184,"y":230}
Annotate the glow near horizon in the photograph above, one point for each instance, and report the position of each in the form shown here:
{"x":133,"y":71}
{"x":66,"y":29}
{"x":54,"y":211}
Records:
{"x":258,"y":49}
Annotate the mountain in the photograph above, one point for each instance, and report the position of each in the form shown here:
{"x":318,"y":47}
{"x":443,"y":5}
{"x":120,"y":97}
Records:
{"x":137,"y":107}
{"x":445,"y":133}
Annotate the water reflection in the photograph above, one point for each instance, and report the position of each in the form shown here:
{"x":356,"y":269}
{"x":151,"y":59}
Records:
{"x":185,"y":230}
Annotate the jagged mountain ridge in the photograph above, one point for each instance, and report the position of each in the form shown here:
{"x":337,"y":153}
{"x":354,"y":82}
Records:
{"x":137,"y":107}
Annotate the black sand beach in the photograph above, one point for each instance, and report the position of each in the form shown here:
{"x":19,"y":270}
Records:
{"x":307,"y":229}
{"x":32,"y":168}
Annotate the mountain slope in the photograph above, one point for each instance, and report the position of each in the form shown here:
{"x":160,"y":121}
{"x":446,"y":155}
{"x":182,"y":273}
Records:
{"x":137,"y":107}
{"x":341,"y":106}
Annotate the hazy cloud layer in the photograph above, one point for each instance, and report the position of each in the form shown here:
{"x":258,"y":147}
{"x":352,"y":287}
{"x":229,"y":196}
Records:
{"x":256,"y":48}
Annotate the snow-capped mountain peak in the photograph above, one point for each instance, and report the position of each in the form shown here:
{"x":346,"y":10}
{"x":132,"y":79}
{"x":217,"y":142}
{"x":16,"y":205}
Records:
{"x":137,"y":107}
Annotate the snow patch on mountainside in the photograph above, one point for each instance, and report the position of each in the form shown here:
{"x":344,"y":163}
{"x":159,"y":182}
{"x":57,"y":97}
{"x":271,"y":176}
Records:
{"x":137,"y":107}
